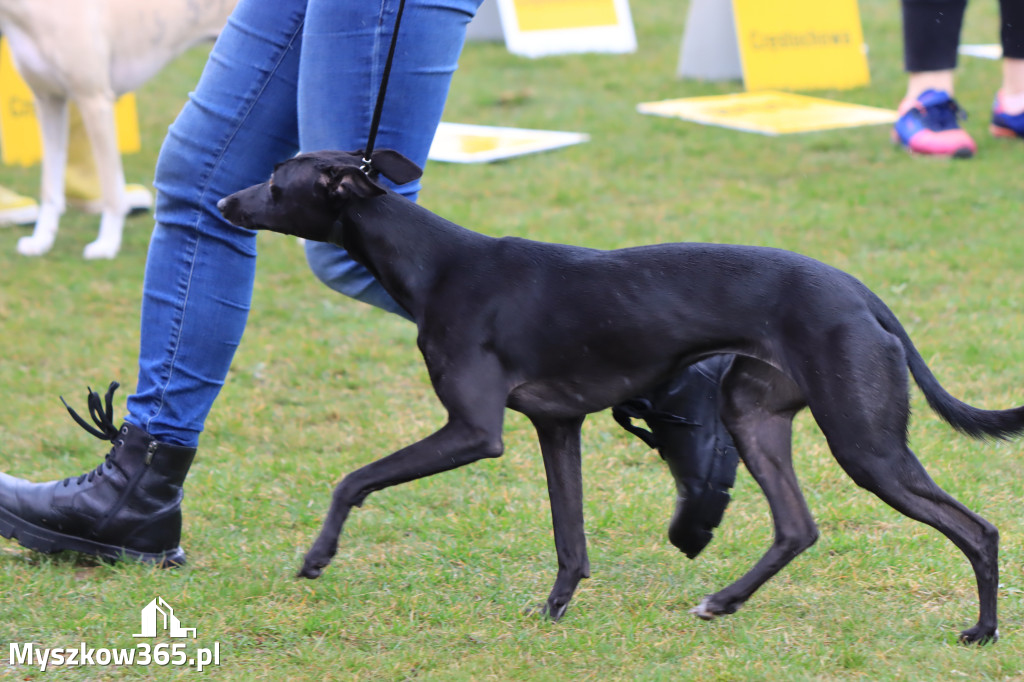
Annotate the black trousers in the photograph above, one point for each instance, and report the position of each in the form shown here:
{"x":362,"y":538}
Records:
{"x":931,"y":32}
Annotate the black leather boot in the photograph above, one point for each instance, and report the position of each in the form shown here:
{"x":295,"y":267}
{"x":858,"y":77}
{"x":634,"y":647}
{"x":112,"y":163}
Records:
{"x":129,"y":506}
{"x":685,"y":427}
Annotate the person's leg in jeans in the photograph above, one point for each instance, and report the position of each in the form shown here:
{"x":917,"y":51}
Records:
{"x":417,"y":89}
{"x":242,"y":118}
{"x":238,"y":123}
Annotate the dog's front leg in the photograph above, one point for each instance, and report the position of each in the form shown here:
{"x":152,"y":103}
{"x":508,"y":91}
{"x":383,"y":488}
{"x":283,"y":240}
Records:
{"x":560,"y":447}
{"x":53,"y":123}
{"x":458,"y":443}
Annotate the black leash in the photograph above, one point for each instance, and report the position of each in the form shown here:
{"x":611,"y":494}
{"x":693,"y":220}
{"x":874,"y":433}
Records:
{"x":367,"y":166}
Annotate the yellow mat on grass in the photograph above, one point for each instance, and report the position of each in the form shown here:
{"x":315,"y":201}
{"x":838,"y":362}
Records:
{"x":769,"y":112}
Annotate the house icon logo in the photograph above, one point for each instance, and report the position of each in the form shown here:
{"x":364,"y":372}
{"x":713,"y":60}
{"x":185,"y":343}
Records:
{"x":158,"y":616}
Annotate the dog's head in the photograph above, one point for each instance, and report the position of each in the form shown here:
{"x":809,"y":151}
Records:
{"x":305,"y":194}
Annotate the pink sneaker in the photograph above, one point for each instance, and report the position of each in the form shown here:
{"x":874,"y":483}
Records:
{"x":931,"y":125}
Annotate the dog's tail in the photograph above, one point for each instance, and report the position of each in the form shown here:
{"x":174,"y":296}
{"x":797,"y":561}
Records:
{"x":970,"y":420}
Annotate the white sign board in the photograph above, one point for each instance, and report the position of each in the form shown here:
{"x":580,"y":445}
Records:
{"x":536,"y":28}
{"x":465,"y":143}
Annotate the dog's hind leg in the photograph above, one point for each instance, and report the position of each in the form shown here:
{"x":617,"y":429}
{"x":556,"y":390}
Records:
{"x":98,"y":117}
{"x":758,"y":409}
{"x":893,"y":473}
{"x":560,"y":446}
{"x":52,"y":112}
{"x":902,"y":482}
{"x":864,"y":417}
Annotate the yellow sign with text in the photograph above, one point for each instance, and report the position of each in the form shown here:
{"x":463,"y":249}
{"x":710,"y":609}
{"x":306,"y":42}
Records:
{"x":20,"y":140}
{"x":800,"y":44}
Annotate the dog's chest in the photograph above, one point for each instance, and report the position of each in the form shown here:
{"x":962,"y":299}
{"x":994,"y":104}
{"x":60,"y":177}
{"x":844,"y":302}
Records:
{"x":32,"y":63}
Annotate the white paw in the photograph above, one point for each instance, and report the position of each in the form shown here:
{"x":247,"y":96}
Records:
{"x":34,"y":246}
{"x":101,"y":249}
{"x":701,"y":610}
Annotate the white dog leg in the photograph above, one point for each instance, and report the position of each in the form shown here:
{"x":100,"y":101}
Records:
{"x":45,"y":232}
{"x":108,"y":243}
{"x":53,"y":123}
{"x":98,"y":117}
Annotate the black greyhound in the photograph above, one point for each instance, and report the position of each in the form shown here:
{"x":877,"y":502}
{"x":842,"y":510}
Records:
{"x":557,"y":332}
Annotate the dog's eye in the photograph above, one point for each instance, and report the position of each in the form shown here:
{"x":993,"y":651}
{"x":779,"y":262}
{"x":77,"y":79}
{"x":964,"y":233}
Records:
{"x":275,"y":192}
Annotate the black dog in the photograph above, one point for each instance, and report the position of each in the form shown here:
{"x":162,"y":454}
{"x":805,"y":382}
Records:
{"x":557,"y":332}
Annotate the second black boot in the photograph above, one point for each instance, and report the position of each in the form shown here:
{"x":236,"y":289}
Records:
{"x":685,"y":427}
{"x":128,"y":507}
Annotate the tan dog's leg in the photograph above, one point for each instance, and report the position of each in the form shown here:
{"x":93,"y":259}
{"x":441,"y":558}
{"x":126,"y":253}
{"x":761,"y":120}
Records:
{"x":98,"y":116}
{"x":52,"y":112}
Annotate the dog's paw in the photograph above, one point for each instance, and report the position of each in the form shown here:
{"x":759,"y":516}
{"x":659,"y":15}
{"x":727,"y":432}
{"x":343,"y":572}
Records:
{"x":979,"y":635}
{"x":713,"y":606}
{"x":554,"y":612}
{"x":703,"y":610}
{"x":311,"y":569}
{"x":101,"y":249}
{"x":34,"y":246}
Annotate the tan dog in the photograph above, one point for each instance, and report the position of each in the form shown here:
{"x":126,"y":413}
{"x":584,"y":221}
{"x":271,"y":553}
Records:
{"x":93,"y":51}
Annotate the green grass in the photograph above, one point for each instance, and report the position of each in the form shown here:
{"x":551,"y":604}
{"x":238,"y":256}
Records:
{"x":432,"y":578}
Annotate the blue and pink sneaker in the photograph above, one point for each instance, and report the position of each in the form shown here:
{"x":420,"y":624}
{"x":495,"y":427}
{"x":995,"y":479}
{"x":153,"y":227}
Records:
{"x":1004,"y":124}
{"x":931,"y":125}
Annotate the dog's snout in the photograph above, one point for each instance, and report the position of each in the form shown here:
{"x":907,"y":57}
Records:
{"x":230,"y":208}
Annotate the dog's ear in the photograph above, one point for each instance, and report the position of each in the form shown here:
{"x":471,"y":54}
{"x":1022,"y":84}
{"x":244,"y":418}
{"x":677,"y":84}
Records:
{"x":394,"y":166}
{"x":347,"y":181}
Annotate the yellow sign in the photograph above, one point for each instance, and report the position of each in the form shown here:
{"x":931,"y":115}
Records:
{"x":769,"y":113}
{"x":547,"y":15}
{"x":536,"y":28}
{"x":19,"y":130}
{"x":800,"y":44}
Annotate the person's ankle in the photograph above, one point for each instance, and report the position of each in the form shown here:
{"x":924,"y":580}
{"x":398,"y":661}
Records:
{"x":1011,"y":104}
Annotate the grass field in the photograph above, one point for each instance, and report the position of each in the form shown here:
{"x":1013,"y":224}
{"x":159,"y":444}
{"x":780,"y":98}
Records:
{"x":432,"y":578}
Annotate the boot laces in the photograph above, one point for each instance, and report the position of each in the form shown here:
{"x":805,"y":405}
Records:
{"x":102,"y":413}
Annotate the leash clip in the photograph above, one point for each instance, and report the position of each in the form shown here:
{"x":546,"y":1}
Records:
{"x":367,"y":166}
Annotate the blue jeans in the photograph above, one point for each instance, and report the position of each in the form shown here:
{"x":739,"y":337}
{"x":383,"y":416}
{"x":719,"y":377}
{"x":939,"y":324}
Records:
{"x":284,"y":76}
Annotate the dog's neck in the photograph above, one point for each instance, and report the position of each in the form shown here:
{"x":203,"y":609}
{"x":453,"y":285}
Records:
{"x":404,"y":246}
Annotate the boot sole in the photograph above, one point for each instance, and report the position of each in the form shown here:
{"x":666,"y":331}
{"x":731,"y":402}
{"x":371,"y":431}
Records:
{"x":48,"y":541}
